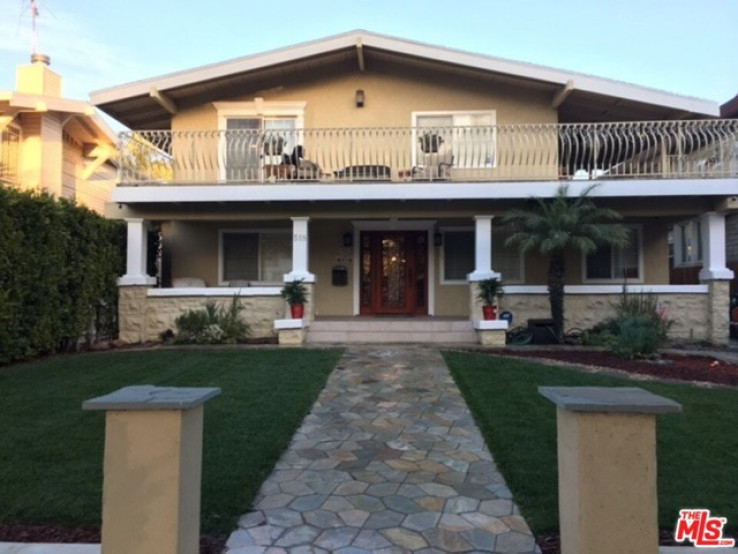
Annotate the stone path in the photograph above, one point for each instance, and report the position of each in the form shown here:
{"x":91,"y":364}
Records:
{"x":388,"y":461}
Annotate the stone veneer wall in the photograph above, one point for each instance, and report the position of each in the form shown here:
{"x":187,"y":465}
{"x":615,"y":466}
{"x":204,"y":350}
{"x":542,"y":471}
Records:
{"x":259,"y":312}
{"x":690,"y":312}
{"x":143,"y":318}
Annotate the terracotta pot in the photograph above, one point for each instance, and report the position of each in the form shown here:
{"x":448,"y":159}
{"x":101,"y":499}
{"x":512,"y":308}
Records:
{"x":489,"y":312}
{"x":297,"y":311}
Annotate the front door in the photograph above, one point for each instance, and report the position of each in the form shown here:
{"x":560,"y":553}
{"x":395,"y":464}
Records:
{"x":394,"y":272}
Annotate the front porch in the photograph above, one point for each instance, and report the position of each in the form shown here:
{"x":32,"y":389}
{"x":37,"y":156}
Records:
{"x":410,"y":280}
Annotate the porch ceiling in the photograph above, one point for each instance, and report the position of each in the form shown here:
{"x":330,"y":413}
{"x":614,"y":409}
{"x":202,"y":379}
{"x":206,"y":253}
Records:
{"x":591,"y":98}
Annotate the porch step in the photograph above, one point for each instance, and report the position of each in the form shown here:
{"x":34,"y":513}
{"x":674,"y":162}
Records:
{"x":391,"y":330}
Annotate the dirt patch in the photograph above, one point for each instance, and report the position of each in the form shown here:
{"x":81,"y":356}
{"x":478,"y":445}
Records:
{"x":38,"y":533}
{"x":704,"y":369}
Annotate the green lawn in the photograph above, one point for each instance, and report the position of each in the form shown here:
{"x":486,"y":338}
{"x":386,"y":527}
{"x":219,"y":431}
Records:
{"x":51,"y":451}
{"x":697,"y":450}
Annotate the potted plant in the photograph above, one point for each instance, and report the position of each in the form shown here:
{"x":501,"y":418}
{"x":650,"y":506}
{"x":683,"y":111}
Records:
{"x":430,"y":142}
{"x":490,"y":290}
{"x":295,"y":293}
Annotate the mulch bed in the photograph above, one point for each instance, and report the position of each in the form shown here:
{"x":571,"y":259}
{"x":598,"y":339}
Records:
{"x":20,"y":532}
{"x":704,"y":369}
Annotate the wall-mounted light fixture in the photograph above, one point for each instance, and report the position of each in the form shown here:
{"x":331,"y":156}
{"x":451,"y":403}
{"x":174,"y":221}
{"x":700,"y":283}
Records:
{"x":348,"y":239}
{"x":359,"y":98}
{"x":438,"y":238}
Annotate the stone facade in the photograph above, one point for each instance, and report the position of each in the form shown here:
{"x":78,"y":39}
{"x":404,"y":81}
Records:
{"x":718,"y":322}
{"x":131,"y":313}
{"x":689,"y":312}
{"x":144,"y":318}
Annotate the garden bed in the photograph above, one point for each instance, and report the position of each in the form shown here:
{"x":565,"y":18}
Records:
{"x":706,"y":369}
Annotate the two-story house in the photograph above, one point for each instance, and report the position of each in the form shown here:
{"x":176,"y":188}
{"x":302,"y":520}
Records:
{"x":378,"y":170}
{"x":54,"y":144}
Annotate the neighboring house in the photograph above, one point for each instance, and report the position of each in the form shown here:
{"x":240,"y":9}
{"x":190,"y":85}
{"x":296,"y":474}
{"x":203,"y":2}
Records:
{"x":54,"y":144}
{"x":378,"y":170}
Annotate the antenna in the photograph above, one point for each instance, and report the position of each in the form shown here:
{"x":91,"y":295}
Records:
{"x":34,"y":36}
{"x":35,"y":56}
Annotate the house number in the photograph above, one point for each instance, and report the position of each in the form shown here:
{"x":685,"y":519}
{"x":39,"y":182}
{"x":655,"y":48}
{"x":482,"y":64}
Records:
{"x":298,"y":237}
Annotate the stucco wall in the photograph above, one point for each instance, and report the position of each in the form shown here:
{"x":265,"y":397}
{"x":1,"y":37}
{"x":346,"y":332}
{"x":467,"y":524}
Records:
{"x":391,"y":97}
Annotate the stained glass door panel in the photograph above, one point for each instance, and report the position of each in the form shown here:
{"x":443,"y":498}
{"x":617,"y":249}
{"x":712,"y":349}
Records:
{"x":393,"y":273}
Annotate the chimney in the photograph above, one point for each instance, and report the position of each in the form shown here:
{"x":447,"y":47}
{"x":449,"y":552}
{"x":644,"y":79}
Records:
{"x":37,"y":78}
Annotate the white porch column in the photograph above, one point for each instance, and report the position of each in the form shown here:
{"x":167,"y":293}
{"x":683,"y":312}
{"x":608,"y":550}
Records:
{"x":136,"y":255}
{"x":713,"y":247}
{"x":482,"y":249}
{"x":300,"y":251}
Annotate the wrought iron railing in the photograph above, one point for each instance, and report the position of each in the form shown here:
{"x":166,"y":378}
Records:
{"x":653,"y":149}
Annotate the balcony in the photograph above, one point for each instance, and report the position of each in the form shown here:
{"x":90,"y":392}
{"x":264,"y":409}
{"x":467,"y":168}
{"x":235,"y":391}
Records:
{"x":638,"y":150}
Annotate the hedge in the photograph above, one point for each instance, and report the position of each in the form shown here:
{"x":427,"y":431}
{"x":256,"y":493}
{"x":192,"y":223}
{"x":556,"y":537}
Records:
{"x":58,"y":268}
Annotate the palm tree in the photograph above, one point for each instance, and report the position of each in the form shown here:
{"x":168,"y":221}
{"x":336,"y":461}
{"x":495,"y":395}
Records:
{"x":560,"y":223}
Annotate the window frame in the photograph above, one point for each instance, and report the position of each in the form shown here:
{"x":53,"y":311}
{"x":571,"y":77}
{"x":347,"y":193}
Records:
{"x":11,"y":174}
{"x":442,"y":258}
{"x":440,"y":113}
{"x":638,"y":230}
{"x":247,"y":231}
{"x":257,"y":109}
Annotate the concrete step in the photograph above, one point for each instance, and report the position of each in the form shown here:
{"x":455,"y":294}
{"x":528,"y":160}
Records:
{"x":384,"y":330}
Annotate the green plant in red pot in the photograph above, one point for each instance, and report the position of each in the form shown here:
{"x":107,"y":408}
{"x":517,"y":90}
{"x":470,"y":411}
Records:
{"x":489,"y":292}
{"x":295,"y":293}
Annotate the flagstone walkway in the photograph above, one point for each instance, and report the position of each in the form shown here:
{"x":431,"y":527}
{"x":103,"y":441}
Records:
{"x":389,"y":460}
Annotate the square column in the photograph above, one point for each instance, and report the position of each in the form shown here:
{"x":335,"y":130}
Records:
{"x":136,"y":254}
{"x":300,"y":252}
{"x":482,"y":249}
{"x":607,"y":468}
{"x":713,"y":248}
{"x":152,"y":468}
{"x":717,"y":276}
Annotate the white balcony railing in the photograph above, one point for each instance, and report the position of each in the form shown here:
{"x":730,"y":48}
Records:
{"x":653,"y":149}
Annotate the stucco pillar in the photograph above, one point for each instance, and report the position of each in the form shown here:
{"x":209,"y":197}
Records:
{"x":482,"y":249}
{"x":152,"y":468}
{"x":713,"y":247}
{"x":715,"y":273}
{"x":136,"y":254}
{"x":607,"y":468}
{"x":482,"y":262}
{"x":300,"y":251}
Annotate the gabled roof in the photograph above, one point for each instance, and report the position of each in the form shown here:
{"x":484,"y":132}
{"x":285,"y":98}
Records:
{"x":149,"y":103}
{"x":730,"y":108}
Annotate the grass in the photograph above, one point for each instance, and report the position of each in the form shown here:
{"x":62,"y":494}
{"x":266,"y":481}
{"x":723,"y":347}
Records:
{"x":51,"y":451}
{"x":697,"y":450}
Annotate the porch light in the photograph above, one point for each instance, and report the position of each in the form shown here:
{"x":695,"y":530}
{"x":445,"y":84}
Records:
{"x":359,"y":98}
{"x":348,"y":239}
{"x":438,"y":238}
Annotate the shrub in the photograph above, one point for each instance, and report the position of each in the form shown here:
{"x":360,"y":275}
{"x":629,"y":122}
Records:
{"x":638,"y":336}
{"x":58,"y":268}
{"x":638,"y":329}
{"x":212,"y":324}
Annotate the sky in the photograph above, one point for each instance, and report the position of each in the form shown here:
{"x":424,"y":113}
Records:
{"x":688,"y":47}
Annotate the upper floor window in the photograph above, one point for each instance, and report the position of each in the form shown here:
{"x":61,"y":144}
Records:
{"x":256,"y":134}
{"x":10,"y":139}
{"x":610,"y":263}
{"x":460,"y":139}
